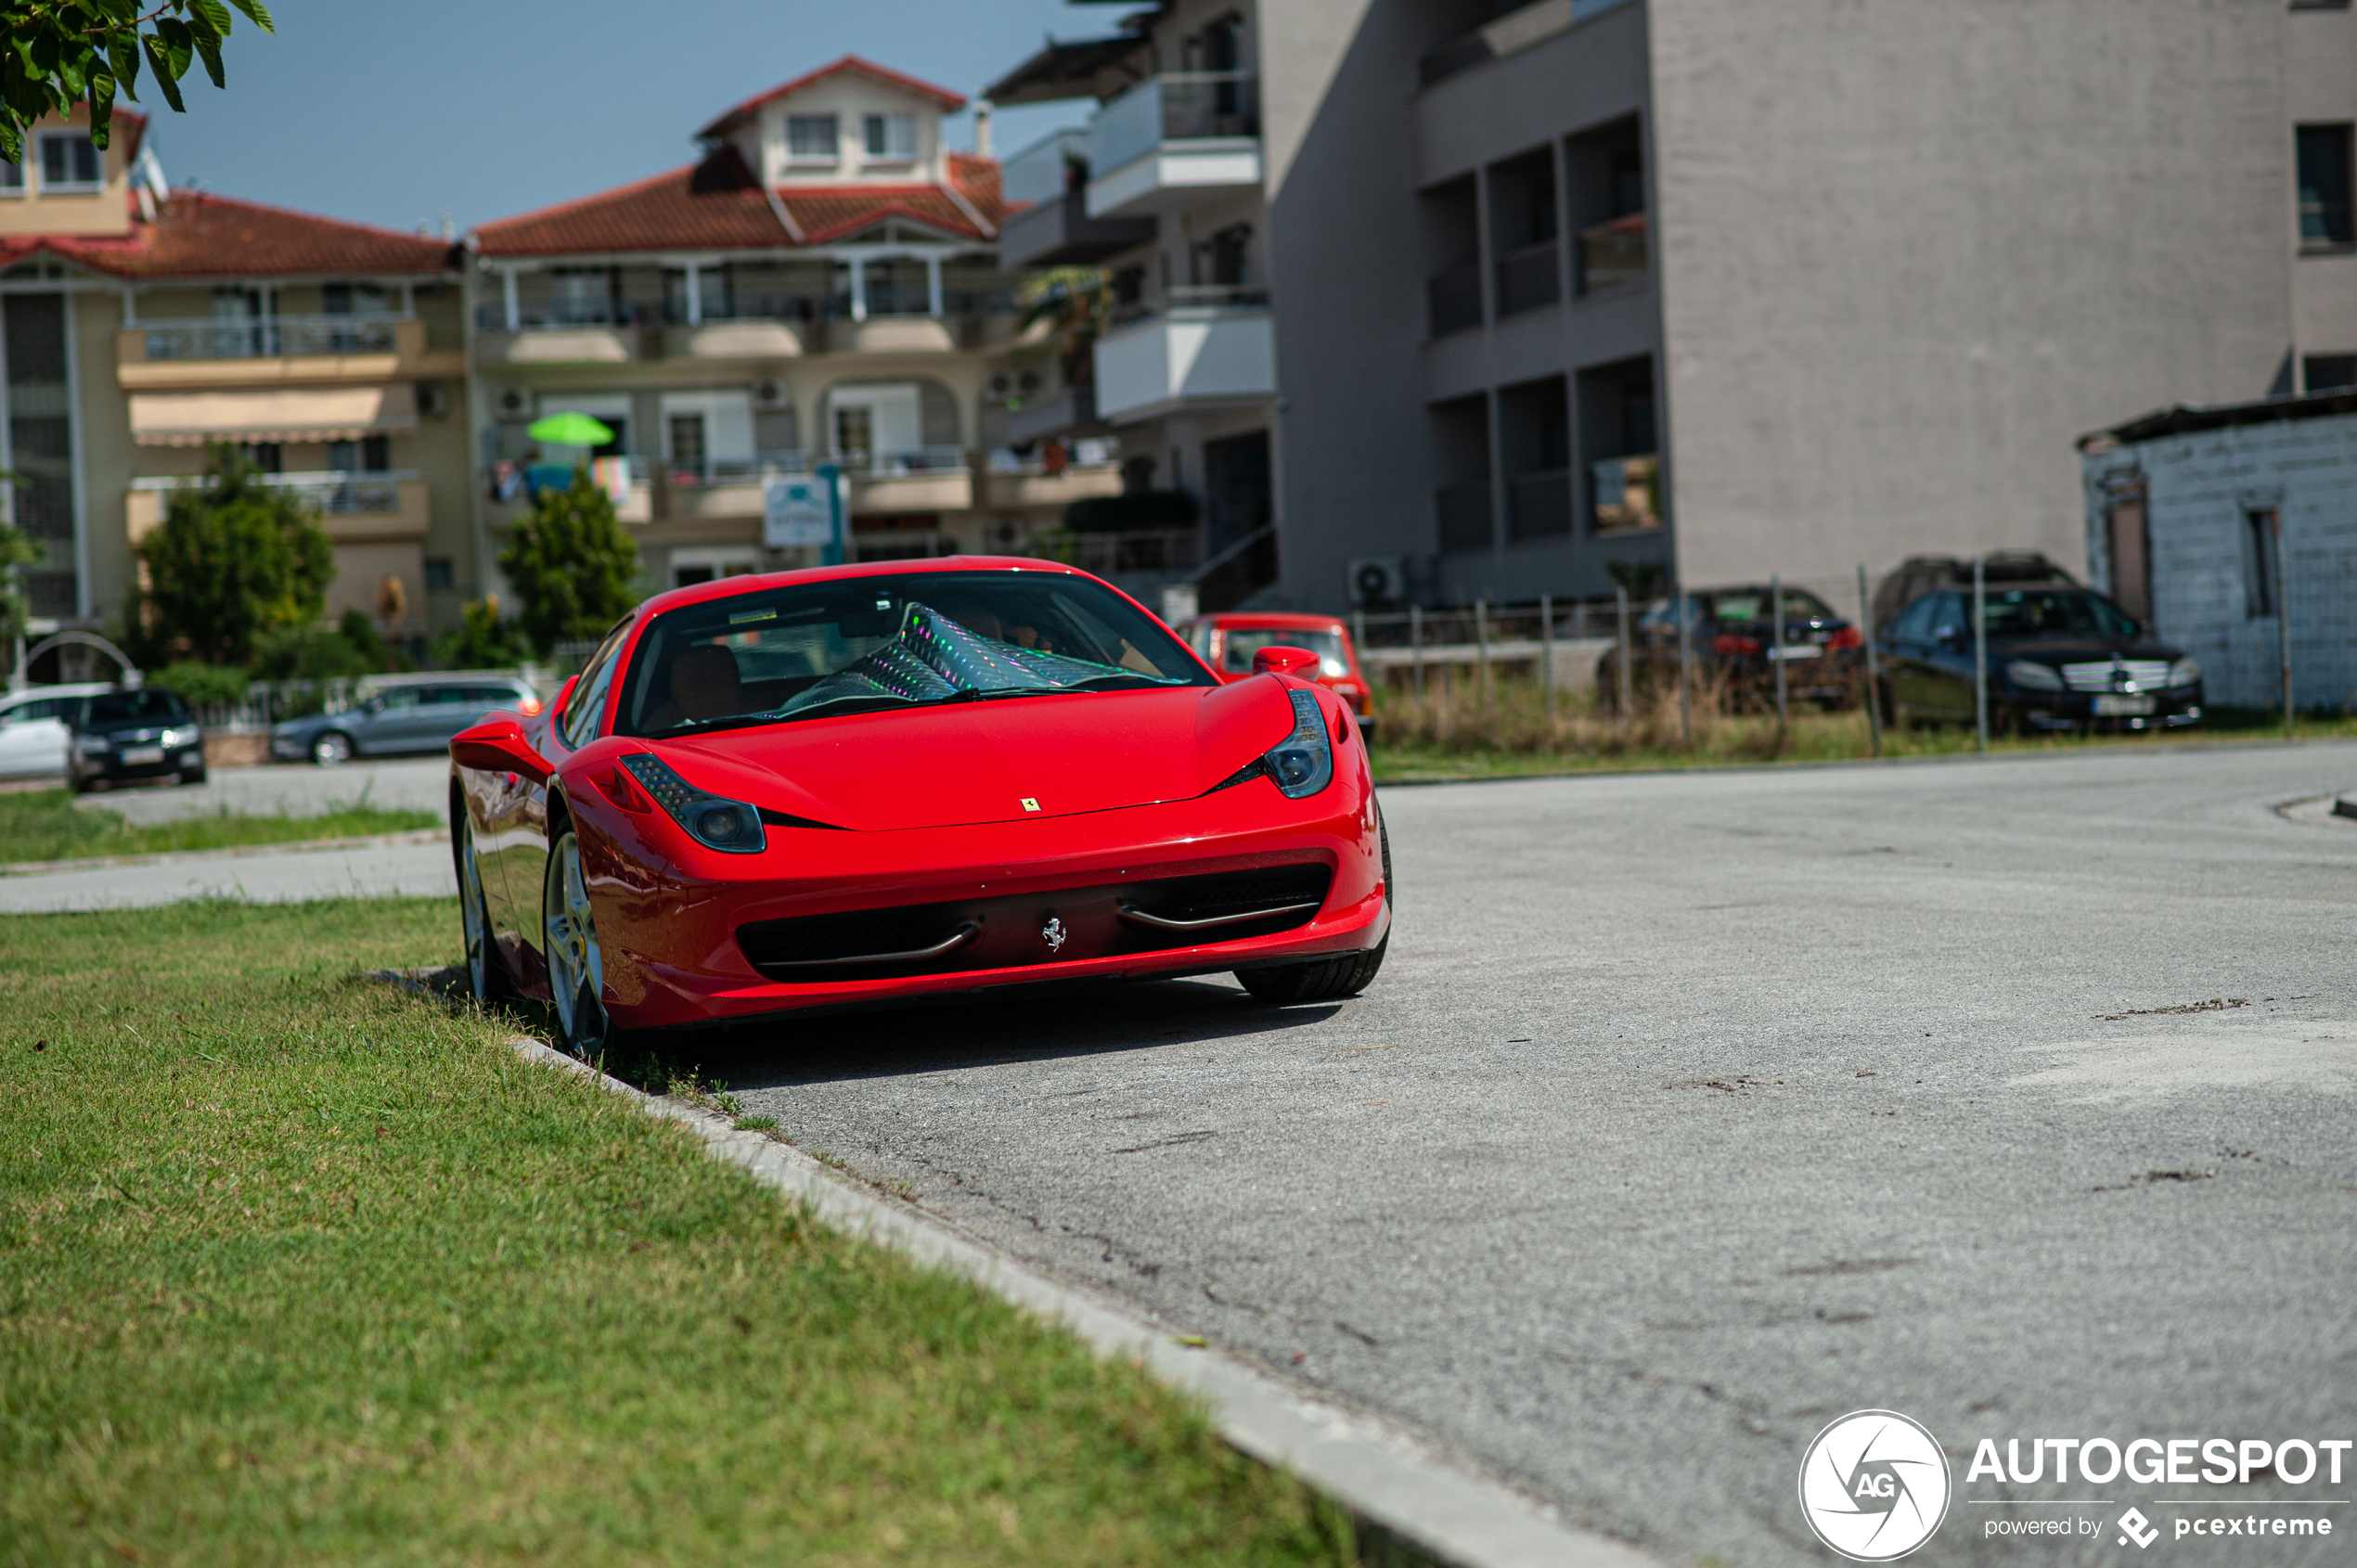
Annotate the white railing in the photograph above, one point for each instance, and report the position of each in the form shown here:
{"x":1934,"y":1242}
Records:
{"x":335,"y":492}
{"x":895,"y":462}
{"x":214,"y":338}
{"x":1176,"y":106}
{"x":1041,"y":172}
{"x":688,"y":472}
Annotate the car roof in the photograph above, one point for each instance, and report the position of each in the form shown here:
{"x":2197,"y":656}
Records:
{"x":69,"y":689}
{"x":728,"y":588}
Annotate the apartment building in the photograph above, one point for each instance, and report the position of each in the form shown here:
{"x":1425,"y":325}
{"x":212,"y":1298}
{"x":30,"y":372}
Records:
{"x":820,"y":286}
{"x":1746,"y":287}
{"x":143,"y":323}
{"x":1165,"y":191}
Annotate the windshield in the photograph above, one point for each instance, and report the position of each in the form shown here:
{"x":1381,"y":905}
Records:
{"x":1799,"y":605}
{"x":149,"y":702}
{"x":2056,"y":612}
{"x":809,"y":649}
{"x":1242,"y":643}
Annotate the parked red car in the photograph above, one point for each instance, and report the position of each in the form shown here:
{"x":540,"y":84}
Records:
{"x":877,"y":782}
{"x":1228,"y":640}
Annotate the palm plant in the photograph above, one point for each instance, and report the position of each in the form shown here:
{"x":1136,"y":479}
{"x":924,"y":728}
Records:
{"x":1078,"y":304}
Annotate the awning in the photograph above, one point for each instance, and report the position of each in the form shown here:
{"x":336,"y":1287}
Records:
{"x":1072,"y":71}
{"x":278,"y":414}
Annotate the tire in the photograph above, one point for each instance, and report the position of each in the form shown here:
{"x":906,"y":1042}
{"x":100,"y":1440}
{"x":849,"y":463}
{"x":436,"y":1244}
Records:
{"x":333,"y":748}
{"x":196,"y":778}
{"x":486,"y":975}
{"x":569,"y":939}
{"x":1326,"y":980}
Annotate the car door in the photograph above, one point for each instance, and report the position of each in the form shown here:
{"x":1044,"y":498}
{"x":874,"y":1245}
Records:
{"x":398,"y":722}
{"x":32,"y":739}
{"x":1907,"y":658}
{"x":1943,"y":685}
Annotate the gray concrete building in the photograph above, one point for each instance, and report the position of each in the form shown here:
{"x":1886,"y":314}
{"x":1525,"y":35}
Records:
{"x":1748,"y":288}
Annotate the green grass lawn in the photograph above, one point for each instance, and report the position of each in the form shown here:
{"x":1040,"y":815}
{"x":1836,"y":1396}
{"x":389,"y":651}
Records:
{"x":298,"y":1268}
{"x":47,"y":825}
{"x":1521,"y":748}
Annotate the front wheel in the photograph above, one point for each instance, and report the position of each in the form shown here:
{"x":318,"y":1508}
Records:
{"x":331,"y":750}
{"x":485,"y":976}
{"x":576,"y":967}
{"x":1327,"y":979}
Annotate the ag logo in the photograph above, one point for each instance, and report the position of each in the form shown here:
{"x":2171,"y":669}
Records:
{"x":1873,"y":1485}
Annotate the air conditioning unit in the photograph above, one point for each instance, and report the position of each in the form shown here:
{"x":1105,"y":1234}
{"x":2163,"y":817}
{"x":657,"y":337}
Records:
{"x":772,"y":396}
{"x":433,"y":399}
{"x":1378,"y":582}
{"x":514,"y":403}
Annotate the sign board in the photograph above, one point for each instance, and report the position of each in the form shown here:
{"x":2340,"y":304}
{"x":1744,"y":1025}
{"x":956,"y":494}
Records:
{"x":797,"y":511}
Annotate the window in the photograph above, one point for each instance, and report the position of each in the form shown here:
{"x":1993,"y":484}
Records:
{"x":2329,"y":372}
{"x":352,"y":299}
{"x":687,"y":444}
{"x":369,"y":455}
{"x":810,"y":139}
{"x":2260,"y":545}
{"x":578,"y":723}
{"x":68,"y":163}
{"x":891,"y":137}
{"x":11,"y":178}
{"x":440,"y":572}
{"x":2324,"y":216}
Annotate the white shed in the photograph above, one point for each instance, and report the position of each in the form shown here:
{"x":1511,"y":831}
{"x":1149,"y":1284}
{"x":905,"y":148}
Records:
{"x":2184,"y":510}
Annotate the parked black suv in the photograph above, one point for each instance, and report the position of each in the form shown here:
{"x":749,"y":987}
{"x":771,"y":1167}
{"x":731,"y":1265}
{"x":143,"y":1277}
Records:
{"x":120,"y":735}
{"x":2059,"y":659}
{"x":1734,"y":640}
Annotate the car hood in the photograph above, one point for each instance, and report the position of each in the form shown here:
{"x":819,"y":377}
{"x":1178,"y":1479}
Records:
{"x":2077,"y":650}
{"x":137,"y":729}
{"x":1066,"y":752}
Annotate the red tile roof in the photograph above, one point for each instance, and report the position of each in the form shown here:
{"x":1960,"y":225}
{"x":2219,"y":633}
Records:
{"x":941,"y":95}
{"x":713,"y":205}
{"x":200,"y":235}
{"x":829,"y":213}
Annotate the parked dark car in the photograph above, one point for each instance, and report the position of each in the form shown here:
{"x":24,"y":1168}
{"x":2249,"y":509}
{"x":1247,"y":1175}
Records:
{"x":1734,"y":641}
{"x":122,"y":736}
{"x":1918,"y":576}
{"x":412,"y":716}
{"x":2059,"y":659}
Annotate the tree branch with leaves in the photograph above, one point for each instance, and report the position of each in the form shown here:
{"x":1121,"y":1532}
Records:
{"x":60,"y":53}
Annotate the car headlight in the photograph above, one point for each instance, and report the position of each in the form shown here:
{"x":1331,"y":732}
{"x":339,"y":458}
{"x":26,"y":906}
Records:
{"x":93,"y":745}
{"x":185,"y":734}
{"x":1303,"y":763}
{"x":713,"y":821}
{"x":2030,"y":675}
{"x":2185,"y":672}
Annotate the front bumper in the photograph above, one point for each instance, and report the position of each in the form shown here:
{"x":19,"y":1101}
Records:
{"x":672,"y":953}
{"x":111,"y":767}
{"x":2058,"y":712}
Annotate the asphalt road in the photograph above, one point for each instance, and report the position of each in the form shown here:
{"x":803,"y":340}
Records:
{"x":293,"y":789}
{"x":1692,"y":1112}
{"x":266,"y":876}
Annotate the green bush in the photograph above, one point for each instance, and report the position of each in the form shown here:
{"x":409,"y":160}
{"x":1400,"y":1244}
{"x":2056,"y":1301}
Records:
{"x":203,"y":685}
{"x":482,"y":641}
{"x":232,"y":561}
{"x":572,"y":564}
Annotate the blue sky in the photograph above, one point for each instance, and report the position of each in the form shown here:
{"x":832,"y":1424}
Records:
{"x":394,"y":114}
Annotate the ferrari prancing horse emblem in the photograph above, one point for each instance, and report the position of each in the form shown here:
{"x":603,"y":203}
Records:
{"x":1029,"y":804}
{"x":1053,"y":934}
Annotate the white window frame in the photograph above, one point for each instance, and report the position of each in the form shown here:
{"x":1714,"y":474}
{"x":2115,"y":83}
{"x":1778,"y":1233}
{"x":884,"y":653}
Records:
{"x":833,"y":154}
{"x":71,"y":187}
{"x":878,"y":127}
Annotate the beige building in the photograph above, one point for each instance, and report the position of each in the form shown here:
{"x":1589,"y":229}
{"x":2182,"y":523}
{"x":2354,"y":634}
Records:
{"x":143,"y":323}
{"x":820,"y":286}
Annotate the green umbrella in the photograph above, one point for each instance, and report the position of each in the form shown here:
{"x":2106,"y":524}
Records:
{"x":570,"y":430}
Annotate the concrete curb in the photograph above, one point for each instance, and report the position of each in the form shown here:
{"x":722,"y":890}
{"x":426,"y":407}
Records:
{"x":1376,"y":1471}
{"x":235,"y":852}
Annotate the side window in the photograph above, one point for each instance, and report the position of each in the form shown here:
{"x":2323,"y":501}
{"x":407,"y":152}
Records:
{"x":579,"y":723}
{"x":1947,"y":617}
{"x":1914,"y":625}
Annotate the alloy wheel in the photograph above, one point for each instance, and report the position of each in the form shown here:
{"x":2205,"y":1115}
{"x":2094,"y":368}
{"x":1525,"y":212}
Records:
{"x":576,"y":969}
{"x":474,"y":915}
{"x":333,"y":748}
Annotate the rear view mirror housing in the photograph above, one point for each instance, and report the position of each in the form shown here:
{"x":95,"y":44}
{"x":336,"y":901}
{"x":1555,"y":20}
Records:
{"x":1278,"y":659}
{"x":497,"y":746}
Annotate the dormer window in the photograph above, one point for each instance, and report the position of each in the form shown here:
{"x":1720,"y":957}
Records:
{"x":811,"y":138}
{"x":68,"y":163}
{"x":891,"y":138}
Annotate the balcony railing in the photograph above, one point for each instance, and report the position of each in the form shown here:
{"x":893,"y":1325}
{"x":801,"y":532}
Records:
{"x":1528,"y":278}
{"x":901,"y":462}
{"x":1463,"y":511}
{"x":1613,"y":252}
{"x":1538,"y":505}
{"x":1510,"y":34}
{"x":492,"y":317}
{"x":285,"y":336}
{"x":1179,"y":106}
{"x":686,"y":473}
{"x":1452,"y":298}
{"x":335,"y":493}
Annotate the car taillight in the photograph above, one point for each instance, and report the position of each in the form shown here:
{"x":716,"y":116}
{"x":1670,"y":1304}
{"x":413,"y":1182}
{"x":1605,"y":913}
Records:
{"x":1847,"y":638}
{"x":1727,"y":642}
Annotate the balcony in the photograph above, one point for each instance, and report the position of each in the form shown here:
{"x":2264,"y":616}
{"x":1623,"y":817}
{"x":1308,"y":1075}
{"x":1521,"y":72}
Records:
{"x":1628,"y":493}
{"x":1510,"y":34}
{"x":1059,"y":232}
{"x":564,"y":332}
{"x":1072,"y":410}
{"x":1462,"y":513}
{"x":1538,"y":505}
{"x":309,"y":349}
{"x":1151,"y":149}
{"x":1453,"y":300}
{"x":1528,"y":278}
{"x":1030,"y":484}
{"x":1210,"y":346}
{"x":1613,"y":252}
{"x":918,"y":478}
{"x":353,"y":507}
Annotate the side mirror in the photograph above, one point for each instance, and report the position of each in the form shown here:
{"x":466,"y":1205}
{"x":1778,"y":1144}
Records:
{"x":498,"y":746}
{"x":374,"y":706}
{"x":564,"y":693}
{"x":1278,"y":659}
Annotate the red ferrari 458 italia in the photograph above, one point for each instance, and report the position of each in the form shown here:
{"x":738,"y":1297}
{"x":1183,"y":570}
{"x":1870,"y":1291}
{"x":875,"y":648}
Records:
{"x":863,"y":783}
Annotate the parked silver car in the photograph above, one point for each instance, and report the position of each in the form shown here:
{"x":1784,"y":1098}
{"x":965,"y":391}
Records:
{"x":414,"y":713}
